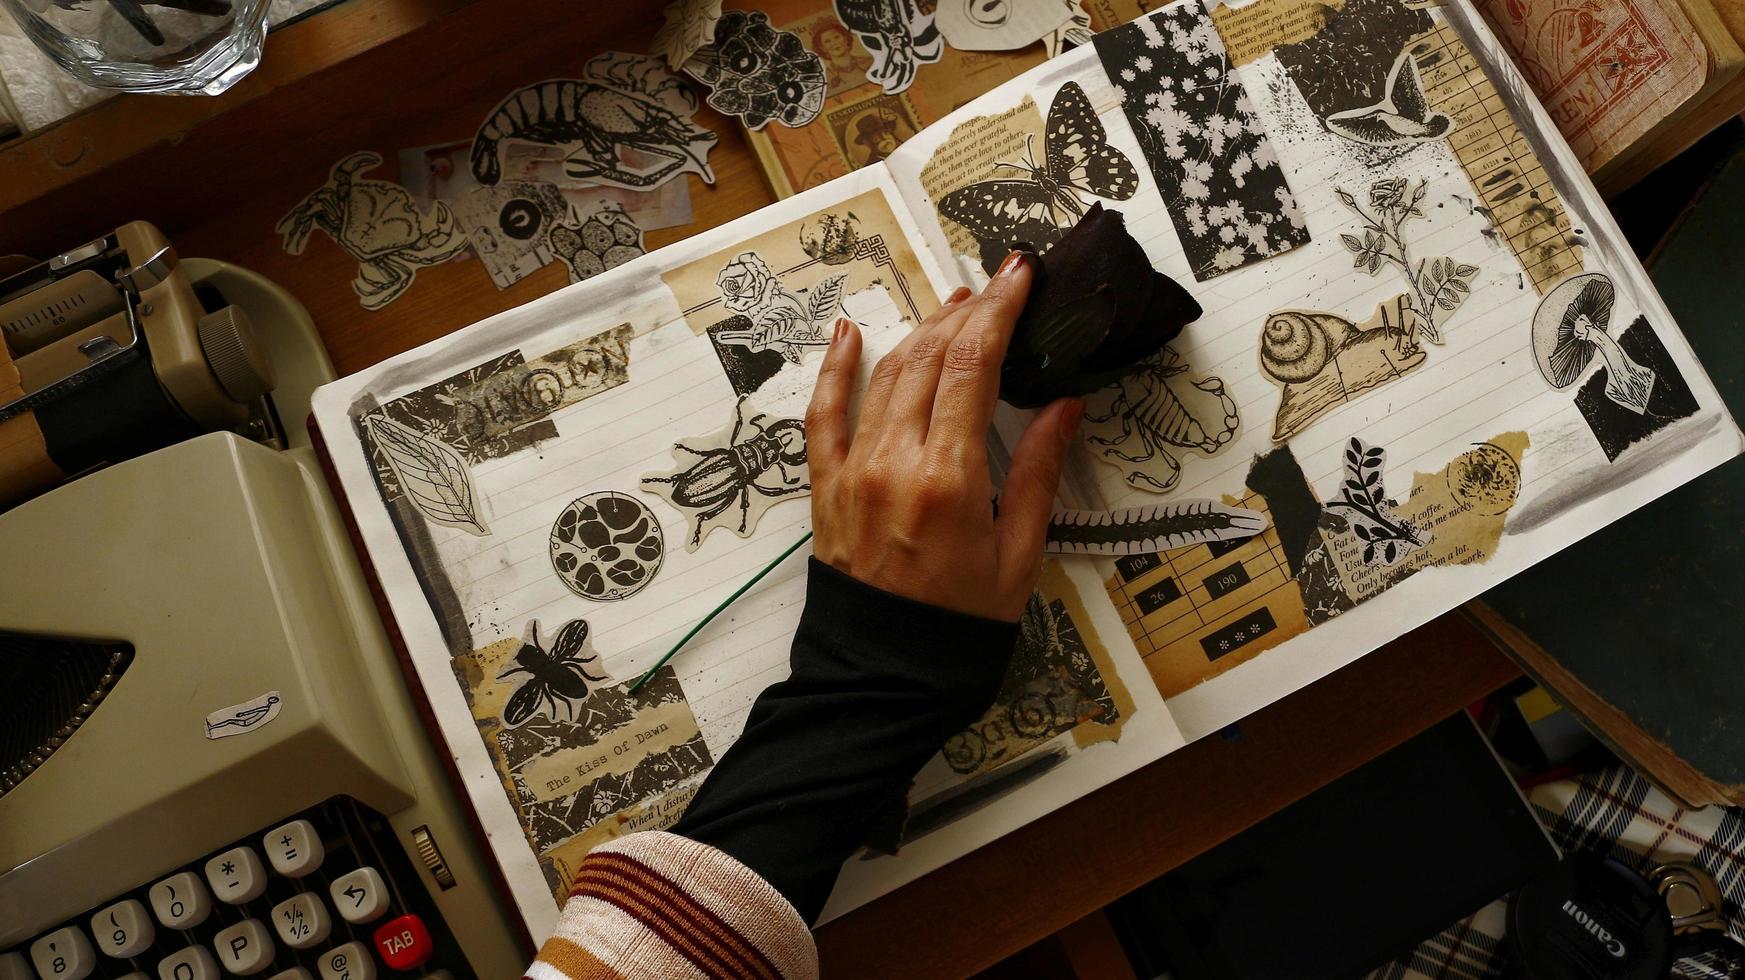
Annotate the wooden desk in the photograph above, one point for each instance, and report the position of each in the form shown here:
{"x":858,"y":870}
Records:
{"x":216,"y":175}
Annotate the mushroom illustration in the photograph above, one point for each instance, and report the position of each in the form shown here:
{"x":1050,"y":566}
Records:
{"x":1572,"y":325}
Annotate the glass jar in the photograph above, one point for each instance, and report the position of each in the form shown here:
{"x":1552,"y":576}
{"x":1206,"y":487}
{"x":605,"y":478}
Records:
{"x":174,"y":46}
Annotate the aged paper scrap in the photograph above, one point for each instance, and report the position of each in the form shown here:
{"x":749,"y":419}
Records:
{"x":1458,"y":510}
{"x":1199,"y":611}
{"x":600,"y":754}
{"x":969,"y":155}
{"x":879,"y":256}
{"x":1513,"y":185}
{"x":1252,"y":31}
{"x":1061,"y":680}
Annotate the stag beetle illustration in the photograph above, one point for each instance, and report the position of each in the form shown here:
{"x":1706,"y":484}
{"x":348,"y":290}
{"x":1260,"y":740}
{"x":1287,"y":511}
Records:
{"x":728,"y":474}
{"x":558,"y":674}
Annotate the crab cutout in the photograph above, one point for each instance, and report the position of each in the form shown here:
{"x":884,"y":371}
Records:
{"x":378,"y":224}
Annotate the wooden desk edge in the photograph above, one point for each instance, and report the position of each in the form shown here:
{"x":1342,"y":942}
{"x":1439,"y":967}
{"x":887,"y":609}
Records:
{"x":1041,"y":878}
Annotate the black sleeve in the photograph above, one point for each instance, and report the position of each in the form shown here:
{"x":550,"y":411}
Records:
{"x":879,"y":682}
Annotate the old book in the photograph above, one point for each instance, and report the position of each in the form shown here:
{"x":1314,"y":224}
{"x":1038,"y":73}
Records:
{"x":1722,"y":23}
{"x":1620,"y":76}
{"x":1427,"y":360}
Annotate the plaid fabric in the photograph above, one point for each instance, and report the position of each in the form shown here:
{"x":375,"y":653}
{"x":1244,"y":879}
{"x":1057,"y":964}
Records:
{"x":1617,"y":813}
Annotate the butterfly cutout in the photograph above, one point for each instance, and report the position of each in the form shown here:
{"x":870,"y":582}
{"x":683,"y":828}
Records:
{"x":1403,"y":116}
{"x":1039,"y":206}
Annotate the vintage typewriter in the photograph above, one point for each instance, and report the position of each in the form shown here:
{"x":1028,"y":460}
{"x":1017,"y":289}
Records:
{"x":211,"y":764}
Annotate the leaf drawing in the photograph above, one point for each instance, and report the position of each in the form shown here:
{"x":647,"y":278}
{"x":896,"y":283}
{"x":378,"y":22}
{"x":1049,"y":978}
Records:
{"x":430,"y":473}
{"x":825,"y":297}
{"x":1385,"y":538}
{"x":690,"y":24}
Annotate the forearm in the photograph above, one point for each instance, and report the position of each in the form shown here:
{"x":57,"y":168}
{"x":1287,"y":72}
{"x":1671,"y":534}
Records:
{"x":879,"y":682}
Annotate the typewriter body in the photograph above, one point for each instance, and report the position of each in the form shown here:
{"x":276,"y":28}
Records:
{"x":212,"y":763}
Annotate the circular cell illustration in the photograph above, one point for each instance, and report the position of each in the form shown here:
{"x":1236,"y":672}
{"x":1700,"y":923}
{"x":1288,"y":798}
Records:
{"x":606,"y":546}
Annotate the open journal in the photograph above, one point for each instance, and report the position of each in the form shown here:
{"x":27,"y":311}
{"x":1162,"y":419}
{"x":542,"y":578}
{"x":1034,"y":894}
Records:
{"x":1427,"y":360}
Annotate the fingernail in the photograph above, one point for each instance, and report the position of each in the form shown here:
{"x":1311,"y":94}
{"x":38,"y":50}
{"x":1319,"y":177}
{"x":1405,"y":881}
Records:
{"x":958,"y":295}
{"x":1070,"y":417}
{"x":842,"y":326}
{"x":1013,"y":260}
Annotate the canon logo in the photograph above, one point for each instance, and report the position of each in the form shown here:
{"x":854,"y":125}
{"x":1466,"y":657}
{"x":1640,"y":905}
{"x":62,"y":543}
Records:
{"x":1610,"y":943}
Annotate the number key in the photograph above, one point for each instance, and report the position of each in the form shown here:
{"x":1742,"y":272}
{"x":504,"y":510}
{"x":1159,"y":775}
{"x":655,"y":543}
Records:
{"x":302,"y":921}
{"x":237,"y":875}
{"x":295,"y":849}
{"x":123,"y":930}
{"x":349,"y":962}
{"x":64,"y":954}
{"x":180,"y":901}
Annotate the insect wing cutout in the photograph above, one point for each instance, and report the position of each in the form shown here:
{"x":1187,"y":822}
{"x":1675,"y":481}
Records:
{"x":1077,"y":149}
{"x":1000,"y":212}
{"x":1037,"y":209}
{"x":560,"y":676}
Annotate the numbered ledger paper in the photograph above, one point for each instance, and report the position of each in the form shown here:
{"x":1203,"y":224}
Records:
{"x":1427,"y":360}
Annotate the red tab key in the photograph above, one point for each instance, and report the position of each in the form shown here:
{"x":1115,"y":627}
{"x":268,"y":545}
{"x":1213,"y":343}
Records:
{"x":404,"y":943}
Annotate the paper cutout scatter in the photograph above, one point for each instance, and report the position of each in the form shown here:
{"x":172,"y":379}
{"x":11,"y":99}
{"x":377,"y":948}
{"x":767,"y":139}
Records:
{"x":759,"y":73}
{"x":623,"y":102}
{"x":900,"y":37}
{"x":378,"y":224}
{"x":690,"y":24}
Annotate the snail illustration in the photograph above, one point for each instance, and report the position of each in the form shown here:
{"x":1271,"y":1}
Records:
{"x":1323,"y":359}
{"x":1296,"y":345}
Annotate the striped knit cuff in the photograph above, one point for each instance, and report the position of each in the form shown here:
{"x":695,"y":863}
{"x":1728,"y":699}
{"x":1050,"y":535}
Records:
{"x":656,"y":905}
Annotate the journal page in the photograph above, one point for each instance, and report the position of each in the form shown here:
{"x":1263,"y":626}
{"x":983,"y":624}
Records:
{"x":1426,"y":353}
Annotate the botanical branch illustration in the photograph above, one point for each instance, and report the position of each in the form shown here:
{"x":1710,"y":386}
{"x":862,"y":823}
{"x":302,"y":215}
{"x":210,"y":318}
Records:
{"x":1362,"y":495}
{"x":1438,"y":286}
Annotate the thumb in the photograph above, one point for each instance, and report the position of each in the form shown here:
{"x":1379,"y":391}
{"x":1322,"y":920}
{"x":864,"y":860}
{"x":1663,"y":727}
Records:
{"x":1028,"y":497}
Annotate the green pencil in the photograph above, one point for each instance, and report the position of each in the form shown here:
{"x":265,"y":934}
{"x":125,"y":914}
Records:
{"x":658,"y":664}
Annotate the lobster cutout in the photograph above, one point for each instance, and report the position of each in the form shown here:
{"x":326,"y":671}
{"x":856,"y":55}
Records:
{"x":729,"y":478}
{"x":1155,"y":414}
{"x":625,"y":122}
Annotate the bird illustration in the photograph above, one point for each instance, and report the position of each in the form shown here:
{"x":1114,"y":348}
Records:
{"x":1402,"y":116}
{"x":897,"y":34}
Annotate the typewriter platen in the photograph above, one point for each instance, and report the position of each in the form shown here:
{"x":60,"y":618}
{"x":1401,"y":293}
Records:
{"x":210,"y":761}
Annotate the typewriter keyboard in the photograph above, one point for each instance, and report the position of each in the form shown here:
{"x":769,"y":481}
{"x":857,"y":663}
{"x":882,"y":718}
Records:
{"x":328,"y":894}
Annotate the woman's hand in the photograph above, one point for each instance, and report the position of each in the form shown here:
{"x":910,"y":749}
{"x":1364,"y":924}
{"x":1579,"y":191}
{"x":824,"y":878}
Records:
{"x":904,"y":502}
